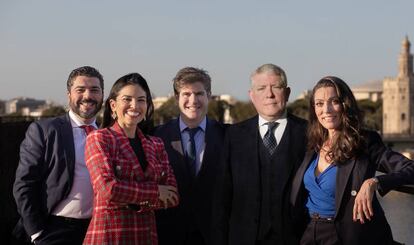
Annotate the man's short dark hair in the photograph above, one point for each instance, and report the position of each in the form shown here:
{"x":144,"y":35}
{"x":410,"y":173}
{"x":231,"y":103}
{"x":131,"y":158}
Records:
{"x":87,"y":71}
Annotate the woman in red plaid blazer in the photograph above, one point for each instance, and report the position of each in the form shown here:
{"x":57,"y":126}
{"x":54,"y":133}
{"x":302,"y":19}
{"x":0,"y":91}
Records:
{"x":130,"y":172}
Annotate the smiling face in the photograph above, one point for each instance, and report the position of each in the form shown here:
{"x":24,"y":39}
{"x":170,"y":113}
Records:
{"x":130,"y":107}
{"x":268,"y":96}
{"x":85,"y":97}
{"x":328,"y":109}
{"x":193,"y":103}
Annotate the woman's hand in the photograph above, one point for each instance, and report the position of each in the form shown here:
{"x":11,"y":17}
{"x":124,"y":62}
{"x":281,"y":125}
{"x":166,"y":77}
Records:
{"x":363,"y":201}
{"x":168,"y":195}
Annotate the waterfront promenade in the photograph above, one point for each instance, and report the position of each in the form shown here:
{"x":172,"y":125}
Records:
{"x":399,"y":209}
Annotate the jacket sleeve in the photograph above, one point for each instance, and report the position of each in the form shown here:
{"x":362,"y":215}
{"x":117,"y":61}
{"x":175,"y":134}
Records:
{"x":27,"y":186}
{"x":398,"y":169}
{"x":99,"y":156}
{"x":167,"y":175}
{"x":164,"y":162}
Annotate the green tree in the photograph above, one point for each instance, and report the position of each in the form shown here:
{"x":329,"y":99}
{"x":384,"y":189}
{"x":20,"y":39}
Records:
{"x":372,"y":113}
{"x":299,"y":108}
{"x":216,"y":109}
{"x":242,"y":110}
{"x":166,"y":112}
{"x":53,"y":111}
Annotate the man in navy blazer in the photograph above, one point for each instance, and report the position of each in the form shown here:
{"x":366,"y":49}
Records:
{"x":189,"y":223}
{"x":261,"y":156}
{"x":52,"y":188}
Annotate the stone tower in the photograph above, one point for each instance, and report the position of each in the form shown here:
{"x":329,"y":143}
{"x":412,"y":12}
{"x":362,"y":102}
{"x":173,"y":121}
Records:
{"x":398,"y":96}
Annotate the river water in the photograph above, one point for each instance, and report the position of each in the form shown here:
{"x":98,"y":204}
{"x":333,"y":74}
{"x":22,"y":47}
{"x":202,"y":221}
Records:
{"x":399,"y":210}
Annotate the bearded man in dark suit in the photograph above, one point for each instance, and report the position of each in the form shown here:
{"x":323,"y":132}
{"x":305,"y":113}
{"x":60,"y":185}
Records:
{"x":53,"y":190}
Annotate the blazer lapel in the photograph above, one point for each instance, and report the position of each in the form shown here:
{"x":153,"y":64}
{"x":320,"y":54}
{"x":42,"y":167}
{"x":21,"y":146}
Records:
{"x":69,"y":145}
{"x":126,"y":150}
{"x":209,"y":142}
{"x":177,"y":156}
{"x":342,"y":177}
{"x":297,"y":182}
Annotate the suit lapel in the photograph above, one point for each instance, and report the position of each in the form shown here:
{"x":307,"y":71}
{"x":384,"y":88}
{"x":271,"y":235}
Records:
{"x":297,"y":182}
{"x":177,"y":156}
{"x":209,"y":143}
{"x":285,"y":159}
{"x":69,"y":145}
{"x":342,"y":177}
{"x":125,"y":150}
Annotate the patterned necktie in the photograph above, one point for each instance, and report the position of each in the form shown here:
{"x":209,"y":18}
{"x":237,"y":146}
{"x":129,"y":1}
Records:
{"x":269,"y":139}
{"x":191,"y":150}
{"x":88,"y":128}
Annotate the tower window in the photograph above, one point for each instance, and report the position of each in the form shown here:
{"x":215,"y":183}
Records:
{"x":403,"y":116}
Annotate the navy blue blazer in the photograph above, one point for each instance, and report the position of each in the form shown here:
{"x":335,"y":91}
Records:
{"x":45,"y":172}
{"x":236,"y":208}
{"x":194,"y":211}
{"x":349,"y":178}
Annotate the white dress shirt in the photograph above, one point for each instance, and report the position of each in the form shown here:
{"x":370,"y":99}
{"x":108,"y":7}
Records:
{"x":79,"y":203}
{"x":280,"y":129}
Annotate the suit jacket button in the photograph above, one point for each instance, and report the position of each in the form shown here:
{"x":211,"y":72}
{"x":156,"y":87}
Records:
{"x":354,"y":193}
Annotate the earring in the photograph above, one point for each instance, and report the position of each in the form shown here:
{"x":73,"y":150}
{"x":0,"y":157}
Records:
{"x":114,"y":115}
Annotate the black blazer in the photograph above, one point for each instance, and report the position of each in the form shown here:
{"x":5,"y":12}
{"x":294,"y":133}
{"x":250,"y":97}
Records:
{"x":194,"y":210}
{"x":45,"y":172}
{"x":349,"y":178}
{"x":236,"y":214}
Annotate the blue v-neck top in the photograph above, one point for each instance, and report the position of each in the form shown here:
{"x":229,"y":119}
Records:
{"x":321,"y":189}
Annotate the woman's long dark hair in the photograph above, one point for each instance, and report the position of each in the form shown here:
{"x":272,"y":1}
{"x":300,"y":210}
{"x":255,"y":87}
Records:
{"x":129,"y":79}
{"x":348,"y":141}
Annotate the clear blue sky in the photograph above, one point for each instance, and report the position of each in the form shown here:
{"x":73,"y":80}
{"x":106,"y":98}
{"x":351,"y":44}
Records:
{"x":42,"y":41}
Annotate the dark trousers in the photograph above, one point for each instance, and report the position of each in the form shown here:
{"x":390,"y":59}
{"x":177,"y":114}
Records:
{"x":320,"y":232}
{"x":62,"y":230}
{"x":195,"y":238}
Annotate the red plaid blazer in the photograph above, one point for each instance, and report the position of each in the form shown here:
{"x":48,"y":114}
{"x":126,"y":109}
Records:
{"x":118,"y":180}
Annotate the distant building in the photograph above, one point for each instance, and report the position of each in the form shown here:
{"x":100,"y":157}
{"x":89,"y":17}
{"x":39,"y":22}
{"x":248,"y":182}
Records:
{"x":371,"y":90}
{"x":225,"y":97}
{"x":230,"y":100}
{"x":24,"y":105}
{"x":398,"y":97}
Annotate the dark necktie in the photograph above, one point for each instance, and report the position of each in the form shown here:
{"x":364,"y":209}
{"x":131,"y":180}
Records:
{"x":191,"y":150}
{"x":88,"y":128}
{"x":269,"y":139}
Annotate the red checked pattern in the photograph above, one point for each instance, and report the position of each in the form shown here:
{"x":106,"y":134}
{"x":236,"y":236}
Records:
{"x":118,"y":180}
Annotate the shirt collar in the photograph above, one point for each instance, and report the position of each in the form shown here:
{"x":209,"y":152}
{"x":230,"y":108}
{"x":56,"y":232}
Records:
{"x":281,"y":119}
{"x":76,"y":123}
{"x":202,"y":124}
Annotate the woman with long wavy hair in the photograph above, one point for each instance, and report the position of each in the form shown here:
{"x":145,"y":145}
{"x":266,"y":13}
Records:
{"x":334,"y":191}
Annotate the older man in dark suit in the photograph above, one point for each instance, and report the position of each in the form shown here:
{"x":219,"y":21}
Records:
{"x":193,"y":143}
{"x":261,"y":156}
{"x":52,"y":189}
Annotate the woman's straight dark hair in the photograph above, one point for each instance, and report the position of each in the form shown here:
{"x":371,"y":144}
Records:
{"x":145,"y":125}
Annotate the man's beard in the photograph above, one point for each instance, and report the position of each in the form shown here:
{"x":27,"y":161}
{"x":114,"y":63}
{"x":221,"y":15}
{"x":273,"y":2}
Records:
{"x":75,"y":107}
